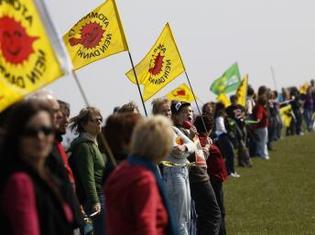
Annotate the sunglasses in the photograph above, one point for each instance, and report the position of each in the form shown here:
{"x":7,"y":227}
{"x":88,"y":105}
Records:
{"x":34,"y":131}
{"x":97,"y":120}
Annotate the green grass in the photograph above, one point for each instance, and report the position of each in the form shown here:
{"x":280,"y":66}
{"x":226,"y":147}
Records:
{"x":275,"y":196}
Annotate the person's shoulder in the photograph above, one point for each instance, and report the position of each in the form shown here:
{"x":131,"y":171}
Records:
{"x":132,"y":172}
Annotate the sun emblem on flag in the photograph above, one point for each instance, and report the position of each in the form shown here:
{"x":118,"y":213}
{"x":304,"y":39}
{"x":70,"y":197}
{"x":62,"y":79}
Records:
{"x":156,"y":63}
{"x":91,"y":36}
{"x":15,"y":44}
{"x":180,"y":92}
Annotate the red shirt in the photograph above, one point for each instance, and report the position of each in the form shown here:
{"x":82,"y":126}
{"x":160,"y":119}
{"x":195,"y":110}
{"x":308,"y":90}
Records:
{"x":216,"y":165}
{"x":260,"y":113}
{"x":133,"y":202}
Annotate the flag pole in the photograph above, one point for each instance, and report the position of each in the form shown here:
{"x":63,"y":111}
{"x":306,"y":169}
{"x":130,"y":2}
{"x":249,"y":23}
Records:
{"x":274,"y":78}
{"x":193,"y":93}
{"x":80,"y":88}
{"x":135,"y":74}
{"x":103,"y":139}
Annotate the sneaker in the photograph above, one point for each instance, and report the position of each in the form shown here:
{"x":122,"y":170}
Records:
{"x":265,"y":157}
{"x":235,"y":175}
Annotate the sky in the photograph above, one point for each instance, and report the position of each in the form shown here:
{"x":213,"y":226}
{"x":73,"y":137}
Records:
{"x":211,"y":36}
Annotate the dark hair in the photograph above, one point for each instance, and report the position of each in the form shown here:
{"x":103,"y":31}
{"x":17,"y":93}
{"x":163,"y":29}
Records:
{"x":262,"y":90}
{"x":212,"y":104}
{"x":250,"y":91}
{"x":118,"y":130}
{"x":19,"y":116}
{"x":219,"y":108}
{"x":262,"y":99}
{"x":65,"y":105}
{"x":202,"y":122}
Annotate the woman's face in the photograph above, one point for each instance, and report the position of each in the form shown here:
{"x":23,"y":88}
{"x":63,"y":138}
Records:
{"x":93,"y":125}
{"x":165,"y":110}
{"x":37,"y":138}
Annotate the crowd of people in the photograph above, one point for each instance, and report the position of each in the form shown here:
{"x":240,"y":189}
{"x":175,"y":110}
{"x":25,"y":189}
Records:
{"x":161,"y":174}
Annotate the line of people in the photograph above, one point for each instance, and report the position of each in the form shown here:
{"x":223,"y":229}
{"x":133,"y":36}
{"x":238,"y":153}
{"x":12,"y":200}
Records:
{"x":166,"y":176}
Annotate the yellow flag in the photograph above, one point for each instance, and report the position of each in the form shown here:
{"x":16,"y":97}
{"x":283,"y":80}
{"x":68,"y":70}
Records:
{"x":97,"y":35}
{"x":160,"y":66}
{"x":241,"y":92}
{"x":181,"y":93}
{"x":222,"y":98}
{"x":285,"y":115}
{"x":303,"y":88}
{"x":27,"y":58}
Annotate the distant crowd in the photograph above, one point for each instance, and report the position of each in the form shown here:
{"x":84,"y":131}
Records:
{"x":132,"y":174}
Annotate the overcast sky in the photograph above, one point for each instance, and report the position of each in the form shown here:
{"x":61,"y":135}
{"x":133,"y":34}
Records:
{"x":211,"y":35}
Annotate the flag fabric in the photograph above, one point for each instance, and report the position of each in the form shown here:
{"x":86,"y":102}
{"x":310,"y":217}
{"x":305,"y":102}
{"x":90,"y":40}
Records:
{"x":222,"y":98}
{"x":97,"y":35}
{"x":160,"y":66}
{"x":286,"y":115}
{"x":28,"y":59}
{"x":181,"y":93}
{"x":241,"y":92}
{"x":228,"y":82}
{"x":303,"y":88}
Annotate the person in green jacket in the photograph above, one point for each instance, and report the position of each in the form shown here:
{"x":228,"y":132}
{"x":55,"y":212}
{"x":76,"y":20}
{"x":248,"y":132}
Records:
{"x":88,"y":165}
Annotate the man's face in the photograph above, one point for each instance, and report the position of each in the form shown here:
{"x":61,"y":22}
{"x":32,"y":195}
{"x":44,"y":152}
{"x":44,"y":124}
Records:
{"x":64,"y":120}
{"x":165,"y":110}
{"x":57,"y":115}
{"x":185,"y":114}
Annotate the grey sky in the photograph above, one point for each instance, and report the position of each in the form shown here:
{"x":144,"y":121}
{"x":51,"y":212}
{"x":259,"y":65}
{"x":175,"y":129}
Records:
{"x":211,"y":35}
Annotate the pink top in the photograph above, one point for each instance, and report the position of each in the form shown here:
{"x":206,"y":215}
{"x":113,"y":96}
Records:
{"x":19,"y":205}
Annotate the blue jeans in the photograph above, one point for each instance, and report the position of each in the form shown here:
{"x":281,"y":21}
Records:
{"x":98,"y":220}
{"x":261,"y":143}
{"x":178,"y":192}
{"x":308,"y":119}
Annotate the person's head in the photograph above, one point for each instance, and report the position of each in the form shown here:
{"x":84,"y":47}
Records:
{"x":130,"y":107}
{"x":233,"y":99}
{"x":181,"y":111}
{"x":250,"y":91}
{"x":118,"y":130}
{"x":208,"y":109}
{"x":152,"y":138}
{"x":312,"y":82}
{"x":262,"y":90}
{"x":203,"y":125}
{"x":30,"y":133}
{"x":219,"y":109}
{"x":47,"y":98}
{"x":64,"y":121}
{"x":162,"y":106}
{"x":88,"y":120}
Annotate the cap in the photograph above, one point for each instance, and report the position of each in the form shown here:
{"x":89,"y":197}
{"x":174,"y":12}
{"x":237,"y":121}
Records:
{"x":177,"y":106}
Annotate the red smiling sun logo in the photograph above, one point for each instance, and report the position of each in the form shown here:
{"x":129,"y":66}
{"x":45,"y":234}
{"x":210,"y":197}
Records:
{"x":91,"y":36}
{"x":15,"y":44}
{"x":158,"y":63}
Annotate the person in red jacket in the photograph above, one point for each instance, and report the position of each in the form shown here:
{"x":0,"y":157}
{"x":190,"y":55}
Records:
{"x":261,"y":129}
{"x":135,"y":201}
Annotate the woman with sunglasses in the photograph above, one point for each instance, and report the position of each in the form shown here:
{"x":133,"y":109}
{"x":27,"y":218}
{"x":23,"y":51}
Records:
{"x":88,"y":165}
{"x":31,"y":203}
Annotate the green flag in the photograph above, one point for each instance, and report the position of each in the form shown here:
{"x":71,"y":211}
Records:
{"x":228,"y":82}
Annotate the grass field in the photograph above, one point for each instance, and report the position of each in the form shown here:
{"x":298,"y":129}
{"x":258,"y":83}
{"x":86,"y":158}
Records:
{"x":275,"y":196}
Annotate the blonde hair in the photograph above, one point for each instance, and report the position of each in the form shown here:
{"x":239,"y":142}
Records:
{"x":76,"y":123}
{"x":152,"y":138}
{"x":157,"y":104}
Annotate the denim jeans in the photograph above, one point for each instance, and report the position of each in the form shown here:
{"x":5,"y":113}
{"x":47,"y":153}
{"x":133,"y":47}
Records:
{"x":178,"y":192}
{"x":262,"y":140}
{"x":226,"y":147}
{"x":98,"y":220}
{"x":308,"y":119}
